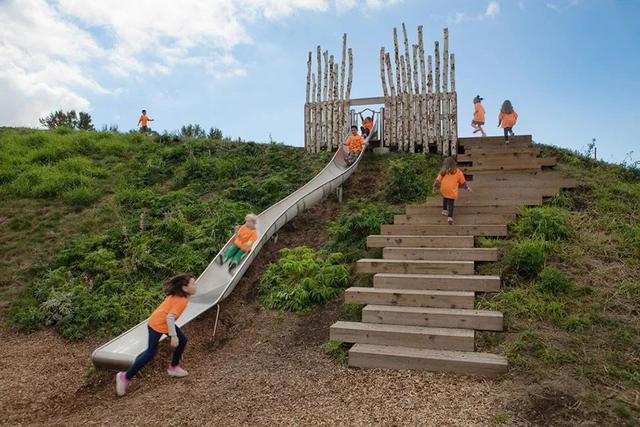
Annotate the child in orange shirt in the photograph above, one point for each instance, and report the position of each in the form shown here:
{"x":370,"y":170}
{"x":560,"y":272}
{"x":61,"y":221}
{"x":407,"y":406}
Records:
{"x":143,"y":122}
{"x":367,"y":125}
{"x":507,"y":119}
{"x":448,"y":181}
{"x":243,"y":239}
{"x":163,"y":321}
{"x":355,"y":144}
{"x":478,"y":115}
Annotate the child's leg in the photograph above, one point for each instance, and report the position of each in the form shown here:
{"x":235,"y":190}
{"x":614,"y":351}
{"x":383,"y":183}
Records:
{"x":506,"y":134}
{"x":445,"y":208}
{"x":481,"y":130}
{"x":235,"y":259}
{"x":450,"y":207}
{"x":147,"y":356}
{"x":182,"y":343}
{"x":231,"y":252}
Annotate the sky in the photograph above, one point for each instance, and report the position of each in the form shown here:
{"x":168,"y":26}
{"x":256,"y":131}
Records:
{"x":570,"y":67}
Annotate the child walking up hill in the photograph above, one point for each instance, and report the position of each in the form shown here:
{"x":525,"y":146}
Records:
{"x":507,"y":119}
{"x":244,"y":238}
{"x":478,"y":115}
{"x":448,"y":181}
{"x":163,"y":321}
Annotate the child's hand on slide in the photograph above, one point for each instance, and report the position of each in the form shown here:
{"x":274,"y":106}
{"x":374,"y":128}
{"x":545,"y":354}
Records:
{"x":174,"y":341}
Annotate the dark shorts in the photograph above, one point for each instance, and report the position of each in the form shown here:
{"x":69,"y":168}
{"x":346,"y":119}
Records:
{"x":144,"y":129}
{"x":473,"y":122}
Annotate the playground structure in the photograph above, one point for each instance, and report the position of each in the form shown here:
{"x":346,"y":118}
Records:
{"x":419,"y":112}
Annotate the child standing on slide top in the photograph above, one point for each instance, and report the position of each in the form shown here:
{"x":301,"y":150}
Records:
{"x":448,"y":181}
{"x":507,"y":119}
{"x":163,"y":321}
{"x":244,"y":238}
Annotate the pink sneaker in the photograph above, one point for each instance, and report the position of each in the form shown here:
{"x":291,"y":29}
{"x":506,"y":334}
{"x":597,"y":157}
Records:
{"x":121,"y":383}
{"x":177,"y":371}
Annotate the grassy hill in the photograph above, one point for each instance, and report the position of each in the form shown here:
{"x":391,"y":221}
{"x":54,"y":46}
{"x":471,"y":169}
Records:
{"x":92,"y":222}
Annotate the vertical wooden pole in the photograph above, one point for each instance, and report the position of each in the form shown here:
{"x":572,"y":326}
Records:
{"x":430,"y":103}
{"x":331,"y":142}
{"x":385,"y":92}
{"x":437,"y":99}
{"x":347,"y":114}
{"x":307,"y":106}
{"x":423,"y":94}
{"x":407,"y":58}
{"x":454,"y":108}
{"x":406,"y":111}
{"x":446,"y":125}
{"x":392,"y":125}
{"x":314,"y":117}
{"x":336,"y":105}
{"x":318,"y":108}
{"x":325,"y":96}
{"x":417,"y":125}
{"x":343,"y":64}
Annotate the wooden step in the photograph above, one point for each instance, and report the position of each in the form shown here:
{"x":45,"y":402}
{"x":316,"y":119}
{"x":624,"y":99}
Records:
{"x":467,"y":148}
{"x":410,"y":297}
{"x":372,"y":266}
{"x":497,"y":150}
{"x":493,"y":140}
{"x":521,"y":201}
{"x":369,"y":356}
{"x":548,"y":161}
{"x":442,"y":254}
{"x":483,"y":320}
{"x":403,"y":335}
{"x":492,"y":168}
{"x":380,"y":241}
{"x":460,"y":219}
{"x":420,"y":210}
{"x":449,"y":230}
{"x":538,"y":176}
{"x":437,"y":282}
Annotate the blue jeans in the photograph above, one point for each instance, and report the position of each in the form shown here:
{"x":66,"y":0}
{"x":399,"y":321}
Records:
{"x":152,"y":349}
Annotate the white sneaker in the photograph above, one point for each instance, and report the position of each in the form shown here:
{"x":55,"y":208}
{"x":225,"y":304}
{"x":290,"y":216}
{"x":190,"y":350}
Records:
{"x":121,"y":383}
{"x":177,"y":371}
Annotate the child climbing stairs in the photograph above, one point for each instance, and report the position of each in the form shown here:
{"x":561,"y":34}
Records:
{"x":420,"y":313}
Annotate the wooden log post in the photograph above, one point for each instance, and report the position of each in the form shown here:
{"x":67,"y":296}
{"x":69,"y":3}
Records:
{"x":406,"y":112}
{"x":337,"y":118}
{"x":392,"y":125}
{"x":416,"y":99}
{"x":408,"y":94}
{"x":314,"y":117}
{"x":385,"y":92}
{"x":325,"y":97}
{"x":307,"y":108}
{"x":341,"y":94}
{"x":431,"y":121}
{"x":398,"y":110}
{"x":318,"y":109}
{"x":423,"y":94}
{"x":446,"y":126}
{"x":347,"y":112}
{"x":454,"y":108}
{"x":437,"y":111}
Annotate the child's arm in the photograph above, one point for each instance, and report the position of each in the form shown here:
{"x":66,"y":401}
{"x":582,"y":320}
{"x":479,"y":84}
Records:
{"x":171,"y":324}
{"x":436,"y":186}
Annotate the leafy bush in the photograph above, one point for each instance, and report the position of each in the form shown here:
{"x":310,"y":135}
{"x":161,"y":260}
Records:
{"x":526,"y":258}
{"x":548,"y":223}
{"x":302,"y":279}
{"x":553,"y":281}
{"x":409,"y":178}
{"x":348,"y":234}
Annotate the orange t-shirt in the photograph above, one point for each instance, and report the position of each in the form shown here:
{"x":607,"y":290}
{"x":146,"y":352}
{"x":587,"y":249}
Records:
{"x":450,"y":182}
{"x":507,"y":120}
{"x":367,"y":124}
{"x":172,"y":304}
{"x":245,"y":238}
{"x":144,"y":120}
{"x":478,"y":114}
{"x":355,"y":143}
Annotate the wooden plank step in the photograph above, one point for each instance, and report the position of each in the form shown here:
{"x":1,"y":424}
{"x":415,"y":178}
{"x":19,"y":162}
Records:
{"x":410,"y":297}
{"x":492,"y":198}
{"x":528,"y":176}
{"x":403,"y":335}
{"x":468,"y":148}
{"x":493,"y":140}
{"x":442,"y":254}
{"x":448,"y":230}
{"x":492,"y":168}
{"x":383,"y":241}
{"x":483,"y":320}
{"x":528,"y":201}
{"x":372,"y":266}
{"x":548,"y":161}
{"x":437,"y":282}
{"x":369,"y":356}
{"x":501,"y":162}
{"x":497,"y":150}
{"x":419,"y":210}
{"x":460,"y":219}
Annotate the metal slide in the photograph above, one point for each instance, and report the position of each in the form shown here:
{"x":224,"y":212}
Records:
{"x":215,"y":283}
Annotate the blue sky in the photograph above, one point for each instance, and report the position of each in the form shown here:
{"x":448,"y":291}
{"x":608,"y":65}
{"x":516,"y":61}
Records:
{"x":570,"y":67}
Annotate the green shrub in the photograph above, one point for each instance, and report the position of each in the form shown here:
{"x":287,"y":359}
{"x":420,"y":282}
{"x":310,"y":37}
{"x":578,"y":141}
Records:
{"x":337,"y":351}
{"x":409,"y":179}
{"x":348,"y":233}
{"x":547,"y":223}
{"x":553,"y":281}
{"x":302,"y":279}
{"x":81,"y":196}
{"x":526,"y":258}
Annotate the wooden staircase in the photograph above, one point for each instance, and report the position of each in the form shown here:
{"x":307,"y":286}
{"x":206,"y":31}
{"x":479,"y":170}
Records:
{"x":420,"y":313}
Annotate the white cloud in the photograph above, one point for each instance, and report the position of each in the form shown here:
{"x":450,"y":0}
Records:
{"x":553,"y":6}
{"x":493,"y":9}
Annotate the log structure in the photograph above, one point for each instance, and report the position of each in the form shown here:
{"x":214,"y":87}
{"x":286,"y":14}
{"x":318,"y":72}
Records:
{"x":419,"y":97}
{"x":326,"y":111}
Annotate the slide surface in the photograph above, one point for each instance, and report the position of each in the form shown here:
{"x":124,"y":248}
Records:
{"x":215,"y":283}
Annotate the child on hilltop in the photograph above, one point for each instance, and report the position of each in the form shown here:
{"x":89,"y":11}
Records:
{"x":367,"y":125}
{"x":507,"y":119}
{"x":448,"y":181}
{"x":143,"y":122}
{"x":163,"y":321}
{"x":355,"y":144}
{"x":243,"y":239}
{"x":478,"y":115}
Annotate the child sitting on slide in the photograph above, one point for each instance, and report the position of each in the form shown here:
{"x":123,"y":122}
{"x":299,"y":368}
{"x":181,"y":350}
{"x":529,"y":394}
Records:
{"x":163,"y":321}
{"x":355,"y":144}
{"x":243,"y":239}
{"x":367,"y":125}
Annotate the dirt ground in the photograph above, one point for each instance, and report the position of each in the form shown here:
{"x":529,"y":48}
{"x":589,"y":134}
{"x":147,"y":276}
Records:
{"x":262,"y":368}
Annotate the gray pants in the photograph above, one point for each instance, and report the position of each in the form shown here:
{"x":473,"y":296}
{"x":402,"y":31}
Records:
{"x":352,"y":157}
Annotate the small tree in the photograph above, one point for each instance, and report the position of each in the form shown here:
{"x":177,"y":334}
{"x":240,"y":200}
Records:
{"x":84,"y":122}
{"x":215,"y":133}
{"x":193,"y":131}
